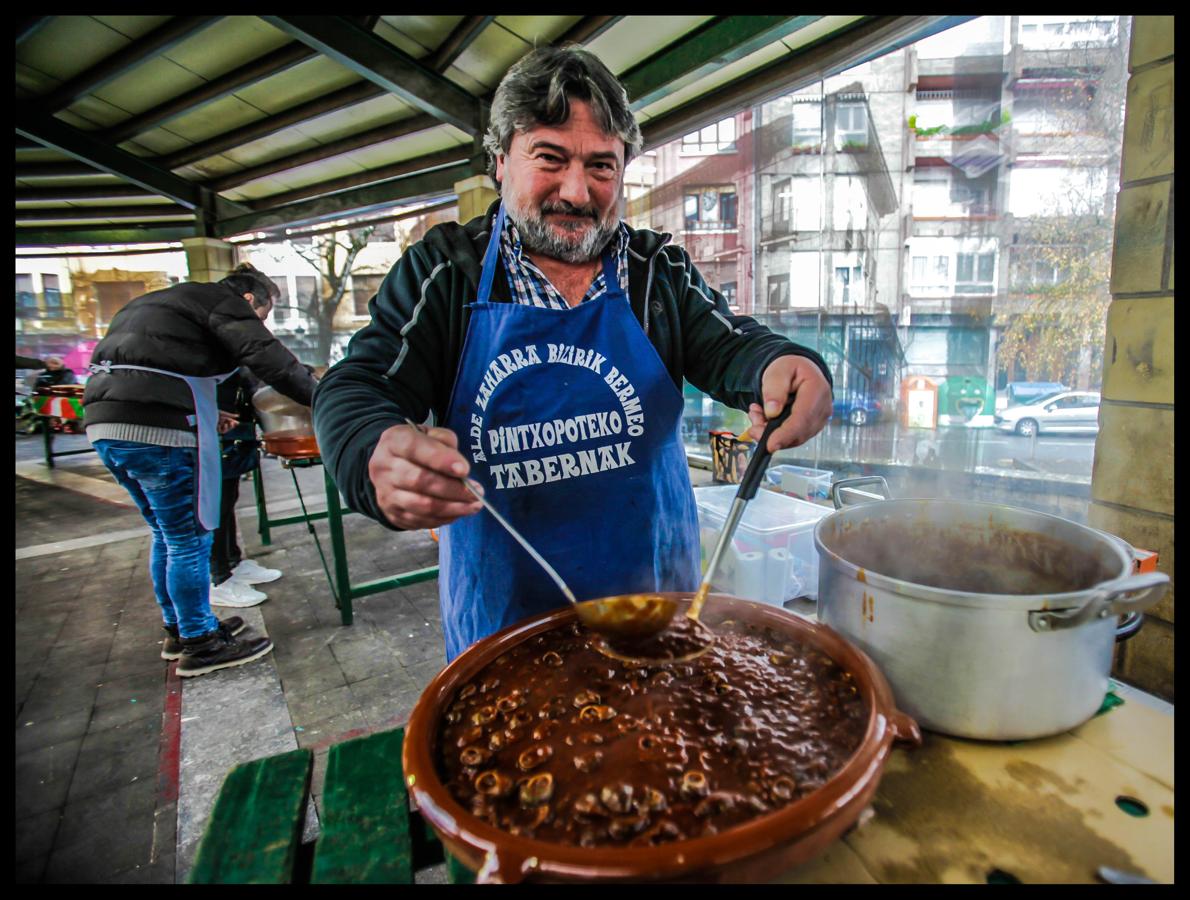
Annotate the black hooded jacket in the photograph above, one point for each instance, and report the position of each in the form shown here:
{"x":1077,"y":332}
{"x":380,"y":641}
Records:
{"x":191,"y":329}
{"x":404,"y":362}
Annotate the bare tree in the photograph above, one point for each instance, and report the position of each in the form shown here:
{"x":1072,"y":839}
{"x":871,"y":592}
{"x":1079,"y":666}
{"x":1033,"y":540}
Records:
{"x":332,"y":256}
{"x":1053,"y":324}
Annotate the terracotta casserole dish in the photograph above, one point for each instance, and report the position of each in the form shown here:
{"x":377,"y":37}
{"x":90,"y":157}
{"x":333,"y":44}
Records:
{"x":755,"y":850}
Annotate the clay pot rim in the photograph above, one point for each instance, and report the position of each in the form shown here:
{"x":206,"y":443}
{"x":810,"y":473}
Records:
{"x":517,"y":857}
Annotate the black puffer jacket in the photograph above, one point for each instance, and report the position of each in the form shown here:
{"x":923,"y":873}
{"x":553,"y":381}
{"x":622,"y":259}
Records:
{"x":404,"y":362}
{"x":191,"y":329}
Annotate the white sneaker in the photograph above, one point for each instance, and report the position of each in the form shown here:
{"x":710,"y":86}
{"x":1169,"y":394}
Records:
{"x":248,"y":571}
{"x":236,"y":593}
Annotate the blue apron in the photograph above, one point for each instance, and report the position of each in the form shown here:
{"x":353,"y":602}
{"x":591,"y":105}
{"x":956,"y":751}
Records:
{"x":206,"y":417}
{"x":573,"y":427}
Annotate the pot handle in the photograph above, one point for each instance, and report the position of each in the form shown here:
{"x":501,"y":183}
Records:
{"x":1127,"y":594}
{"x":851,"y":485}
{"x":904,"y":729}
{"x":1130,"y":626}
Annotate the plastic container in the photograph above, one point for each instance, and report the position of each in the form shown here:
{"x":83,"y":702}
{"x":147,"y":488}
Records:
{"x":772,"y":558}
{"x":799,"y":481}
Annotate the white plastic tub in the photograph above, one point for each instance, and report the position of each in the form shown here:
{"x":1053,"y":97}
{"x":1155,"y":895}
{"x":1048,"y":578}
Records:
{"x":772,"y":558}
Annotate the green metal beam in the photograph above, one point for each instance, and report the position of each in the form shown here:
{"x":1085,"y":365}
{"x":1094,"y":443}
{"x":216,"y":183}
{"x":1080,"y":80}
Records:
{"x":449,"y":156}
{"x":50,"y":237}
{"x":27,"y":26}
{"x":156,"y":42}
{"x":63,"y":195}
{"x":95,"y":152}
{"x":89,"y":213}
{"x":388,"y":132}
{"x":383,"y":64}
{"x":72,"y":169}
{"x":458,"y":41}
{"x":587,"y":29}
{"x":354,"y":202}
{"x":275,"y":61}
{"x":303,"y":112}
{"x":712,"y":46}
{"x":865,"y":39}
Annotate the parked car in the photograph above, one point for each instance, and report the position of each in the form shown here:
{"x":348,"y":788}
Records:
{"x":858,"y":409}
{"x":1021,"y":392}
{"x":1064,"y":412}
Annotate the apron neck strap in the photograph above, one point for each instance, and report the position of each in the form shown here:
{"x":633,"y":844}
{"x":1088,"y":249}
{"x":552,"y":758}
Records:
{"x":488,"y":275}
{"x":611,"y":270}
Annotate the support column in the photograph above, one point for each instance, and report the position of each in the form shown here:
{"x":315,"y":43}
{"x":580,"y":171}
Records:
{"x":475,"y":195}
{"x":1132,"y":481}
{"x":208,"y":259}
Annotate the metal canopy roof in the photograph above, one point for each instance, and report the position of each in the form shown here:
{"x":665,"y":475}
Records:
{"x":137,"y":129}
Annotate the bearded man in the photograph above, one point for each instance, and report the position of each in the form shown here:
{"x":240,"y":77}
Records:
{"x":549,"y":341}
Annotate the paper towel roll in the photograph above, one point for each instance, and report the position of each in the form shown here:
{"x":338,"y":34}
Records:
{"x":749,"y":575}
{"x":776,"y":576}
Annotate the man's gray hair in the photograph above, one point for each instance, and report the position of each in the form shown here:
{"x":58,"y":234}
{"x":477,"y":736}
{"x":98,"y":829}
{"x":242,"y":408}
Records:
{"x":537,"y":91}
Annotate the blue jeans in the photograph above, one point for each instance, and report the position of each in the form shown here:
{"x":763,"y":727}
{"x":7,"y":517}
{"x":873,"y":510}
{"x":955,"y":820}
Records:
{"x":162,"y":482}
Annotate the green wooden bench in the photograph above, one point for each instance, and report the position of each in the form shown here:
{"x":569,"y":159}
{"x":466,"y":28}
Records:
{"x":368,"y":833}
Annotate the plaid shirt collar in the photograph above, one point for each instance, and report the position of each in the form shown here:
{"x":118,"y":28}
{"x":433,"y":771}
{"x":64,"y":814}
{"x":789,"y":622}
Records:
{"x":529,"y":284}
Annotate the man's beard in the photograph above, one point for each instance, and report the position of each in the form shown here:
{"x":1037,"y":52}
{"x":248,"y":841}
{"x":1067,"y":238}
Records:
{"x":538,"y":236}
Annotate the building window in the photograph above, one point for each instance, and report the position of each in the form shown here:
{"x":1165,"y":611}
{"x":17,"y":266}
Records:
{"x":717,"y":138}
{"x":26,"y":299}
{"x":975,"y":273}
{"x":930,"y":272}
{"x":849,"y":284}
{"x":851,"y":126}
{"x":778,"y":292}
{"x":807,"y":124}
{"x":363,"y":289}
{"x":53,"y":296}
{"x":307,"y":298}
{"x":283,"y":310}
{"x":728,"y":290}
{"x":782,"y":206}
{"x":710,"y":208}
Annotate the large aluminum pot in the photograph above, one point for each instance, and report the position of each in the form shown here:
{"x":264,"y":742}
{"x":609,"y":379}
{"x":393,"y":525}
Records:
{"x":989,"y":621}
{"x":759,"y":849}
{"x":279,"y":413}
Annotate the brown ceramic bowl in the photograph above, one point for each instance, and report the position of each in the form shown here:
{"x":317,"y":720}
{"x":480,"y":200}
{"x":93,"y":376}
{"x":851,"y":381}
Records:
{"x":292,"y":444}
{"x":756,"y":850}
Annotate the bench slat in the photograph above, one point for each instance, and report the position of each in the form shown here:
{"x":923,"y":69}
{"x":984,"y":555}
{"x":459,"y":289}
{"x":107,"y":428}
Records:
{"x":365,"y":835}
{"x":256,"y":826}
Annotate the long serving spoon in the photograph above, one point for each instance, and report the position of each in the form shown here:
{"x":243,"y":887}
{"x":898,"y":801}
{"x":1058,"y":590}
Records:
{"x":636,"y":616}
{"x":650,"y":614}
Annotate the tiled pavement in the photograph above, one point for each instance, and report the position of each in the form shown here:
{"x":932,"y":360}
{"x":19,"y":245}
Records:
{"x":90,"y":686}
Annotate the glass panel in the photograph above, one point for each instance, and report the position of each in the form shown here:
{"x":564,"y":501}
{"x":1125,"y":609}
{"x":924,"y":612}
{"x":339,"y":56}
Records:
{"x":960,"y":231}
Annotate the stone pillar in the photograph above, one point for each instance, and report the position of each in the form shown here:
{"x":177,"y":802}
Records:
{"x":208,"y":259}
{"x":475,"y":195}
{"x":1132,"y":479}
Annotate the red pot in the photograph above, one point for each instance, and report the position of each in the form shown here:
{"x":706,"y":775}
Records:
{"x":756,"y":850}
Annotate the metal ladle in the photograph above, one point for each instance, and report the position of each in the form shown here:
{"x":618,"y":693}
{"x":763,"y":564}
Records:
{"x":642,"y":615}
{"x":631,"y":616}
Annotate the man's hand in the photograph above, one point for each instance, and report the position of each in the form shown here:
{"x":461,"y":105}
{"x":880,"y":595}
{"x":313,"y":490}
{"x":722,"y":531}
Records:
{"x":226,"y":422}
{"x":811,"y":411}
{"x":416,"y":477}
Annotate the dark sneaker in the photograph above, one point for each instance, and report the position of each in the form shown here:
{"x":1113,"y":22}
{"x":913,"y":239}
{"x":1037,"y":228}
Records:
{"x":219,"y":650}
{"x":171,"y":648}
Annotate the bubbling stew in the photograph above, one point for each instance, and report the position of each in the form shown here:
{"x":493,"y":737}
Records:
{"x":558,"y":742}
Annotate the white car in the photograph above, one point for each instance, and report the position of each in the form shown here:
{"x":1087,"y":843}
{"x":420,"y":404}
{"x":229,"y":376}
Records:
{"x":1066,"y":412}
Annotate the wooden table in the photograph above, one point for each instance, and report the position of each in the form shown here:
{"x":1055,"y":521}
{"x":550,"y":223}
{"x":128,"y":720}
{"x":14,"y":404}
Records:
{"x":1052,"y":810}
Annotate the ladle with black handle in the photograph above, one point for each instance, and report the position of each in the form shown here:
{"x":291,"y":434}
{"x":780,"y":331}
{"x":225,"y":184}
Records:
{"x":747,"y":490}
